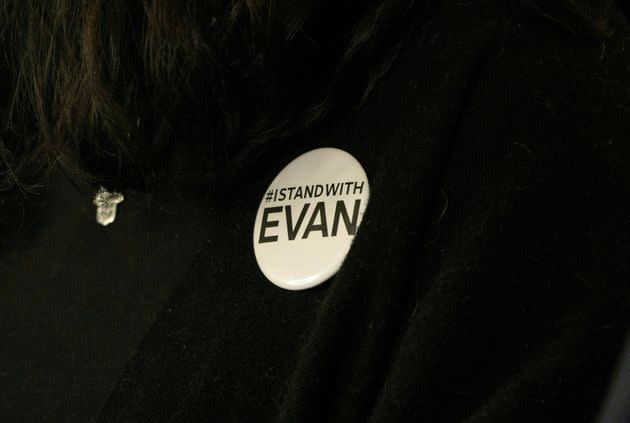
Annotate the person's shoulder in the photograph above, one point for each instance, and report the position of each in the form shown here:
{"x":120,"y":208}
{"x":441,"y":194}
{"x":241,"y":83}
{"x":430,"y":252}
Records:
{"x":562,"y":73}
{"x":584,"y":41}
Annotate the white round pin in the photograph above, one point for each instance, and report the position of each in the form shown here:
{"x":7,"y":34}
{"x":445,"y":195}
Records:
{"x":308,"y":218}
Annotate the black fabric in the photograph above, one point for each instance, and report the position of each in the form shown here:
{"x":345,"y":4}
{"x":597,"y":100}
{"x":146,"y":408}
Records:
{"x":76,"y":298}
{"x":617,"y":405}
{"x":488,"y":279}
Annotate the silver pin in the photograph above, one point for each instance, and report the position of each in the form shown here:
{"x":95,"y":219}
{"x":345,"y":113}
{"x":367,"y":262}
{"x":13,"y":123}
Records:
{"x":106,"y":203}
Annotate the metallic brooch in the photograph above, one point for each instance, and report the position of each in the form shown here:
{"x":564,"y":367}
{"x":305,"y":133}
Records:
{"x":106,"y":203}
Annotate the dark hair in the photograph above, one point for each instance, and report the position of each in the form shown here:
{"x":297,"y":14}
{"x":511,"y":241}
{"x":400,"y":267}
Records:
{"x":90,"y":81}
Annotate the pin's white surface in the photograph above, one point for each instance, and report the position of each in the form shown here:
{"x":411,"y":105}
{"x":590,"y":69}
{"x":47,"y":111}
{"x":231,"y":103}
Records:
{"x":302,"y":239}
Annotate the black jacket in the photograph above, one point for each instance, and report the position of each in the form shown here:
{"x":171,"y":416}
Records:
{"x":488,"y":279}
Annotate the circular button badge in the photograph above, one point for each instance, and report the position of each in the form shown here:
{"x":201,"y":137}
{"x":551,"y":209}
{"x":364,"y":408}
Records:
{"x":308,"y":218}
